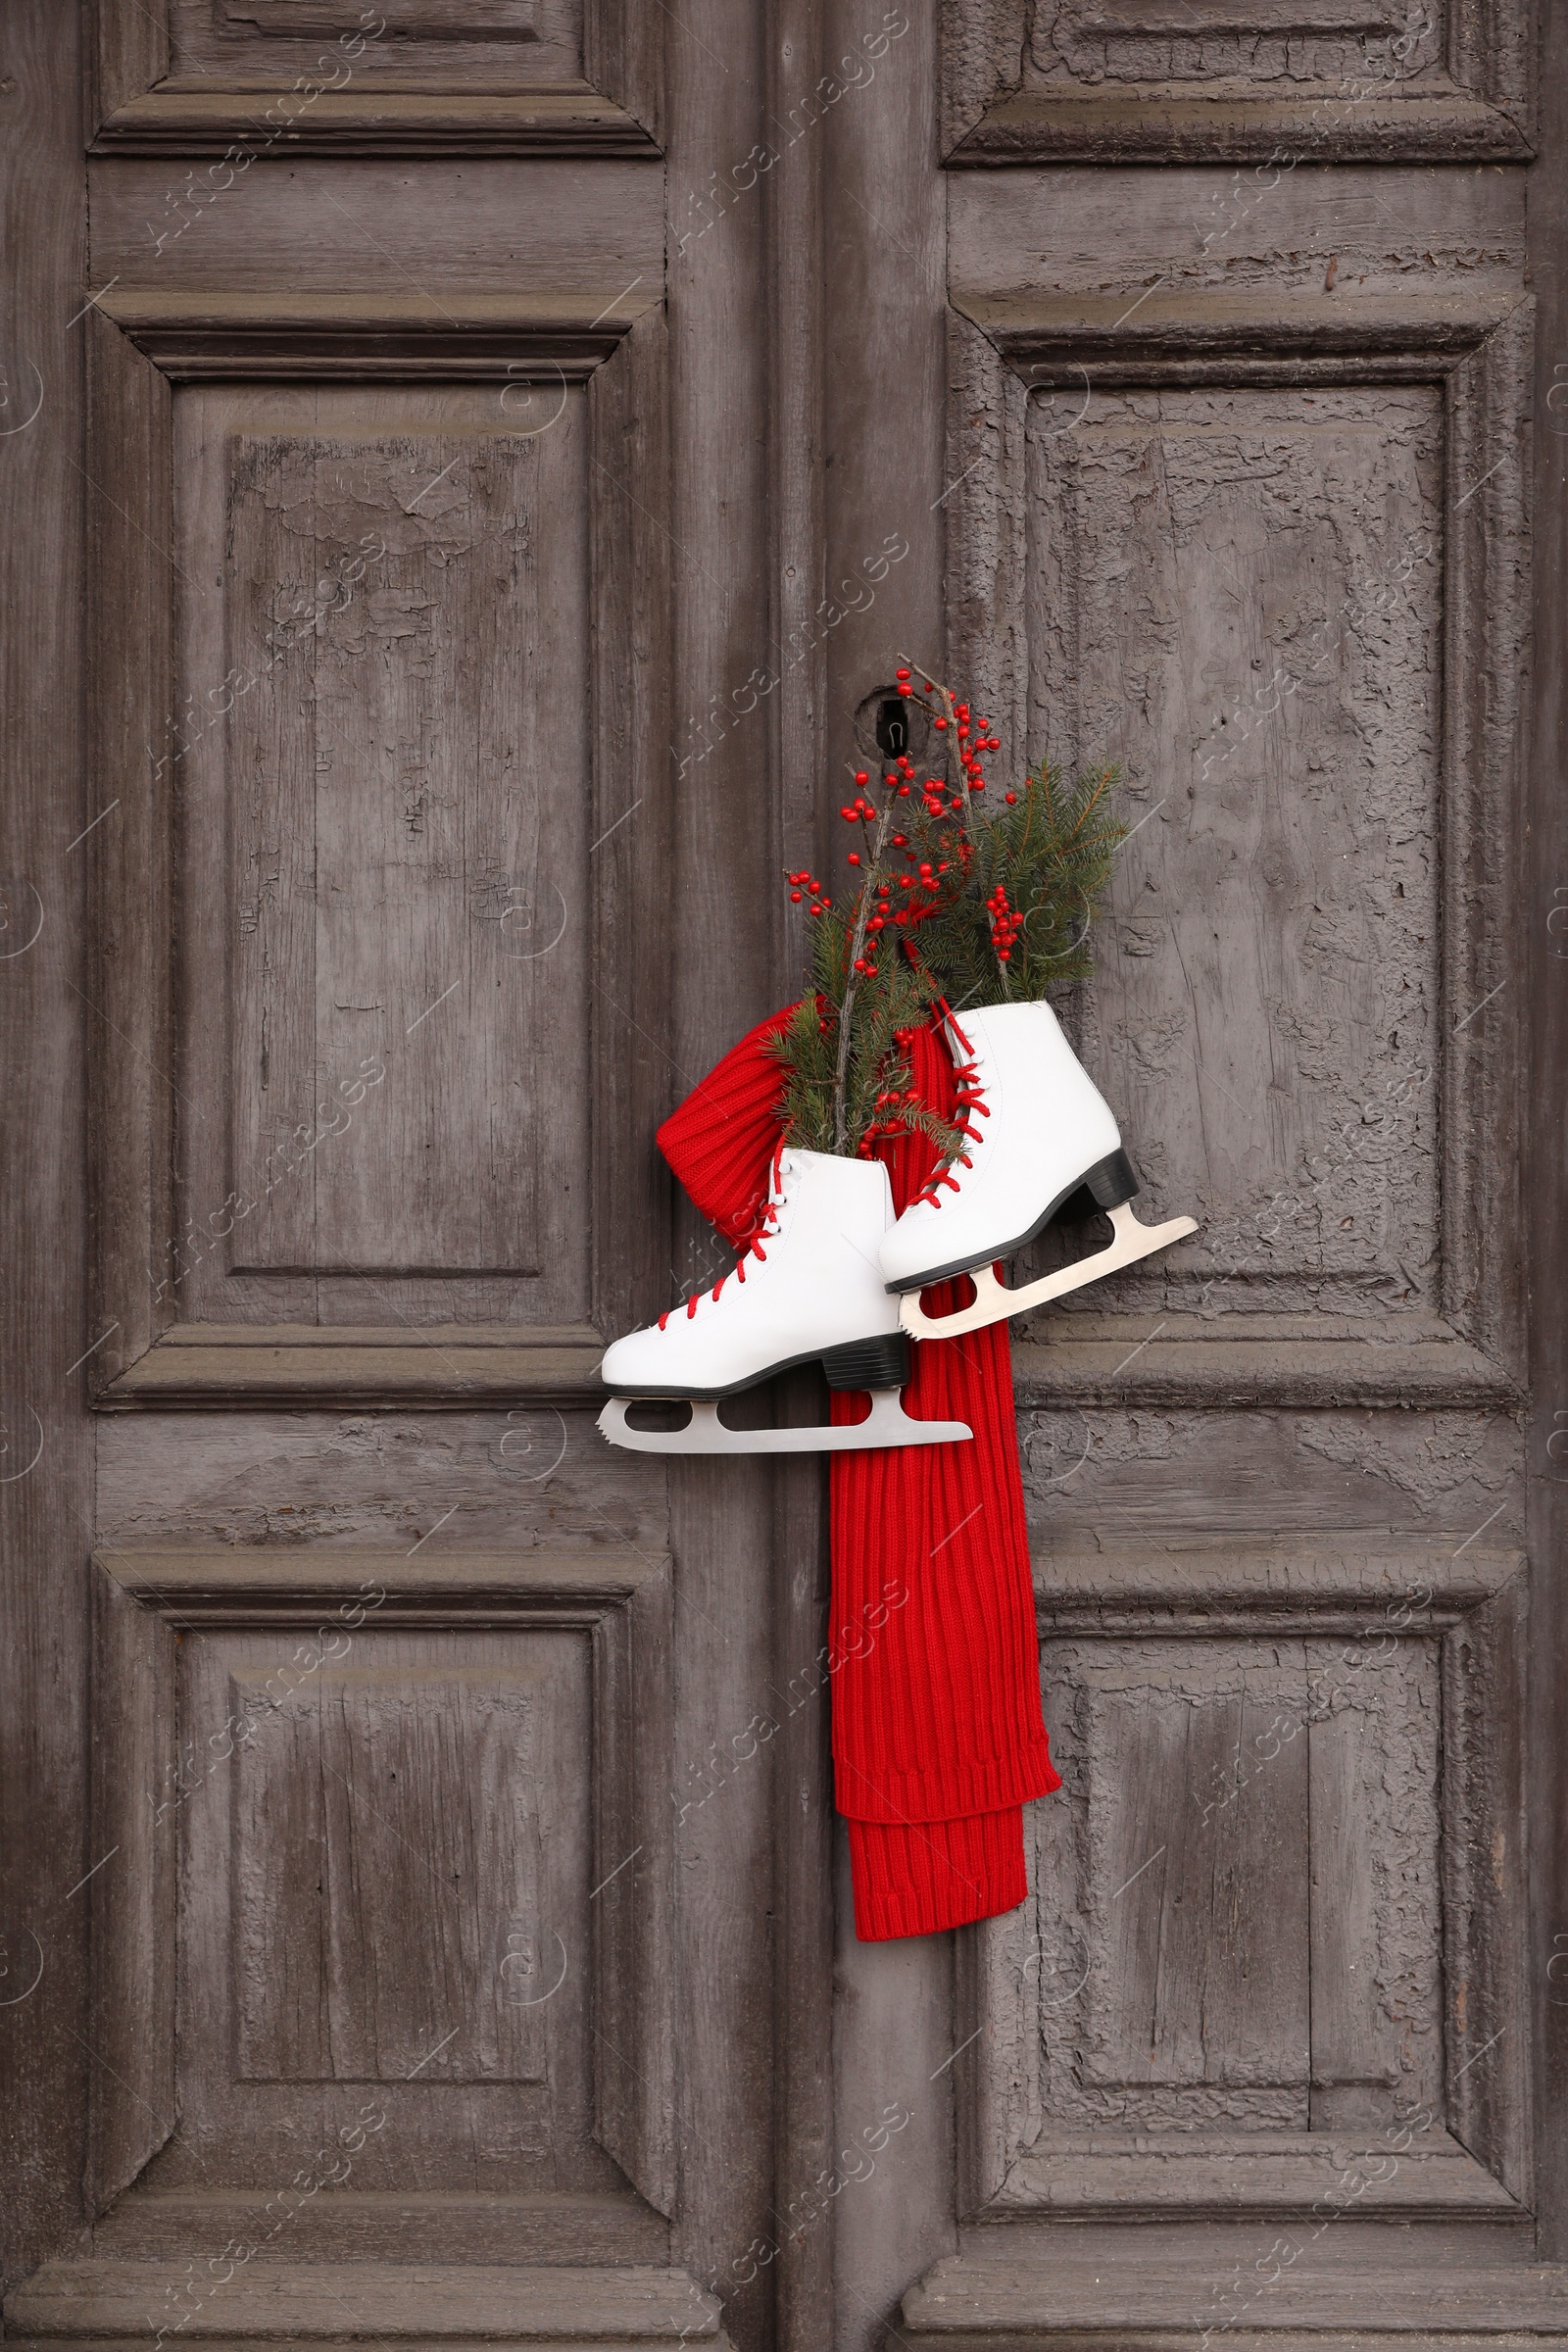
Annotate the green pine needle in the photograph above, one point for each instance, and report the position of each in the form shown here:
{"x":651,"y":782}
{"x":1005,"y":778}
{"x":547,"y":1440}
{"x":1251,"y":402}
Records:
{"x":1050,"y":852}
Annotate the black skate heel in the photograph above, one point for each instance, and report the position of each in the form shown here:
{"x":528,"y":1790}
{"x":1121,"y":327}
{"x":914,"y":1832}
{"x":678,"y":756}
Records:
{"x":880,"y":1362}
{"x":1111,"y":1183}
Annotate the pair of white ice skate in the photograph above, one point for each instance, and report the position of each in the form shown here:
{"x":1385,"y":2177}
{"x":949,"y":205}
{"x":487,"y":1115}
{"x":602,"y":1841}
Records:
{"x":833,"y":1276}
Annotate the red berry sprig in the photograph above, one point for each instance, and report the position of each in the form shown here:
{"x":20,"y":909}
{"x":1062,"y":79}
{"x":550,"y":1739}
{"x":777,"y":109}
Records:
{"x":804,"y":885}
{"x":1006,"y":923}
{"x":974,"y":737}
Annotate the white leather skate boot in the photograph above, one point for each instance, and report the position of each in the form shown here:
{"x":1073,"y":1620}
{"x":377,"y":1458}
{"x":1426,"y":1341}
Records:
{"x":1038,"y":1132}
{"x":806,"y":1288}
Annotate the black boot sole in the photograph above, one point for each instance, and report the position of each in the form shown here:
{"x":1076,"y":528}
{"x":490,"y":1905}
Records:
{"x":1110,"y":1183}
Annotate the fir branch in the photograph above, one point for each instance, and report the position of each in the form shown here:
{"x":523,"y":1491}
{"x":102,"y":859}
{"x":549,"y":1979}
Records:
{"x":986,"y":908}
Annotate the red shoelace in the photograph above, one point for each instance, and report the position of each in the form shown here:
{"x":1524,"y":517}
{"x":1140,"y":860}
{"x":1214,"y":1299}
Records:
{"x":969,"y":1099}
{"x":751,"y":1247}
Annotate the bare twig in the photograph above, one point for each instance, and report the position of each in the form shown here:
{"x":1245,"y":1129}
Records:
{"x":841,"y":1076}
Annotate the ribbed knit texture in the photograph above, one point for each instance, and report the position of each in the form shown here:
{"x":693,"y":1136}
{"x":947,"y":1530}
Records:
{"x":937,"y":1732}
{"x":935,"y":1873}
{"x":721,"y":1141}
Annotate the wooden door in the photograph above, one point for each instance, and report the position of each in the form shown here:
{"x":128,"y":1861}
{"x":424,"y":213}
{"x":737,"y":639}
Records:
{"x":1227,"y":316}
{"x":376,"y":538}
{"x":466,"y":465}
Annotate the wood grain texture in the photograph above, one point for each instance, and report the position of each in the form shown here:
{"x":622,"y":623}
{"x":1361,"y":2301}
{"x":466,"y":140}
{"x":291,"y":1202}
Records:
{"x":131,"y":639}
{"x":483,"y":1745}
{"x":126,"y":52}
{"x":187,"y":120}
{"x":594,"y":540}
{"x":623,"y":54}
{"x":327,"y":1984}
{"x":431,"y":40}
{"x":1544,"y":1207}
{"x":108,"y":2302}
{"x":804,"y":1826}
{"x":1260,"y":1937}
{"x":1186,"y":541}
{"x":383,"y":996}
{"x":371,"y":229}
{"x":1324,"y":80}
{"x":1471,"y":797}
{"x":1000,"y":2292}
{"x":514,"y":1479}
{"x":1172,"y":1358}
{"x":1168,"y":1474}
{"x":724,"y":976}
{"x":631,"y":867}
{"x":1197,"y":326}
{"x":448,"y":1366}
{"x":563,"y":80}
{"x":1162,"y":125}
{"x":885,"y":276}
{"x":134,"y":2093}
{"x":257,"y":333}
{"x":636,"y":2073}
{"x":349,"y":2224}
{"x":1221,"y":1512}
{"x":1492,"y":2085}
{"x":45,"y":1504}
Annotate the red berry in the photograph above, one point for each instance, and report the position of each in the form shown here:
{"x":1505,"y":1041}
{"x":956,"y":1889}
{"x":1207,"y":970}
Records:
{"x":939,"y":723}
{"x":861,"y":776}
{"x":855,"y":856}
{"x":795,"y":898}
{"x":1011,"y":796}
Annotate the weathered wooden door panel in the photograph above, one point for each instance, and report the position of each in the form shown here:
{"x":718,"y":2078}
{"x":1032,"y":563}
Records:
{"x":373,"y":830}
{"x":1233,"y":488}
{"x":361,"y":1911}
{"x":371,"y":800}
{"x":1260,"y":1935}
{"x":512,"y":440}
{"x":399,"y":1676}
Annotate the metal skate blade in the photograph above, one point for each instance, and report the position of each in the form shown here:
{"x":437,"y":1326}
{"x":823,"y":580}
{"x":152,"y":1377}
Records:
{"x":1130,"y":1239}
{"x":705,"y":1433}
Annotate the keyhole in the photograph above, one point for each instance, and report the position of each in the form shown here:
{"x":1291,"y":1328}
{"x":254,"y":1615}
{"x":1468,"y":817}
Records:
{"x":889,"y":725}
{"x":892,"y":727}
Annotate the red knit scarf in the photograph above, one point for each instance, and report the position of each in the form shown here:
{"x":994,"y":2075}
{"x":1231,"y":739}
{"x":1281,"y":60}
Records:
{"x":938,"y":1739}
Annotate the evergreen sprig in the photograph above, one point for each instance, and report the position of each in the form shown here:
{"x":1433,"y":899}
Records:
{"x":962,"y":900}
{"x":1029,"y":873}
{"x":881,"y":1012}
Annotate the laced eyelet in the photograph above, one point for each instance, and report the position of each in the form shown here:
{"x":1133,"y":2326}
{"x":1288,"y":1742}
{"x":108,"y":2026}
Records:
{"x":751,"y":1247}
{"x":969,"y":1099}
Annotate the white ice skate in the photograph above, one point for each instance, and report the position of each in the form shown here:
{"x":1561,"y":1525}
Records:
{"x":1038,"y":1132}
{"x":807,"y":1289}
